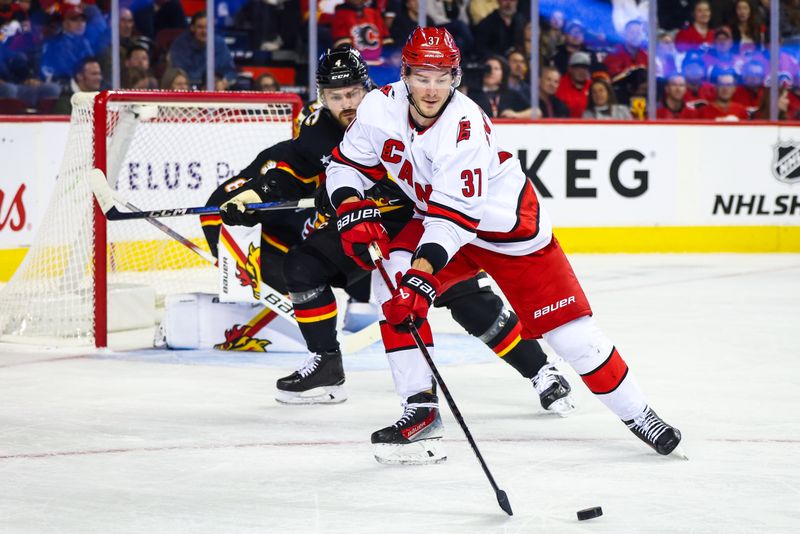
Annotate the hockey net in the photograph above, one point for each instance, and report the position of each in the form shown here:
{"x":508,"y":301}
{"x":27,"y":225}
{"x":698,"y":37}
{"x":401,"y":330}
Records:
{"x":84,"y":276}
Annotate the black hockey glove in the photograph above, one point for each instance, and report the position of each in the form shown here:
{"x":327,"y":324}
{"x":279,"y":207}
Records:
{"x":233,"y":211}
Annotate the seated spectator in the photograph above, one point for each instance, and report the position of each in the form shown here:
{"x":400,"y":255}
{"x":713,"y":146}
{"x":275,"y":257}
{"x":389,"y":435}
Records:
{"x":362,"y":28}
{"x":518,"y":72}
{"x":140,"y":79}
{"x":87,"y":78}
{"x":17,"y":79}
{"x":751,"y":92}
{"x":629,"y":55}
{"x":62,"y":52}
{"x":550,"y":106}
{"x":267,"y":83}
{"x":574,"y":35}
{"x":188,"y":52}
{"x":698,"y":91}
{"x":666,"y":56}
{"x":723,"y":108}
{"x":97,"y":31}
{"x":175,"y":79}
{"x":748,"y":30}
{"x":501,"y":30}
{"x":721,"y":55}
{"x":698,"y":34}
{"x":552,"y":35}
{"x":603,"y":103}
{"x":673,"y":105}
{"x":137,"y":58}
{"x":764,"y":111}
{"x":495,"y":98}
{"x":573,"y":89}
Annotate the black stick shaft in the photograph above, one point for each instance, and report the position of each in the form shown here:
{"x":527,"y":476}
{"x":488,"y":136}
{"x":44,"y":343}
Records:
{"x":115,"y":215}
{"x":502,"y":499}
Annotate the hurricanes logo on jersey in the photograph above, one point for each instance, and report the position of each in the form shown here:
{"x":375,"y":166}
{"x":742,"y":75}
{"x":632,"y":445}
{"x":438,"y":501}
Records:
{"x":463,"y":131}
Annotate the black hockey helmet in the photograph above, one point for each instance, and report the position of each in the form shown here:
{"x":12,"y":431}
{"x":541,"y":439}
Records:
{"x":341,"y":67}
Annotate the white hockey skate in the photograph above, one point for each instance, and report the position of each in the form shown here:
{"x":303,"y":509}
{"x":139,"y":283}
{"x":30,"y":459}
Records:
{"x":359,"y":315}
{"x":318,"y":381}
{"x":554,"y":390}
{"x":415,"y":439}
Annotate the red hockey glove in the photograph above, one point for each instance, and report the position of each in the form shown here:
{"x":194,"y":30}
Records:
{"x":359,"y":224}
{"x":414,"y":295}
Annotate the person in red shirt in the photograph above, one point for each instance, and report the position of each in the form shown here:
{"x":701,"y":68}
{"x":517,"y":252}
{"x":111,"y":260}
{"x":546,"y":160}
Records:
{"x":723,"y":108}
{"x":698,"y":34}
{"x":362,"y":28}
{"x":629,"y":55}
{"x":698,"y":91}
{"x":573,"y":89}
{"x":751,"y":93}
{"x":673,"y":105}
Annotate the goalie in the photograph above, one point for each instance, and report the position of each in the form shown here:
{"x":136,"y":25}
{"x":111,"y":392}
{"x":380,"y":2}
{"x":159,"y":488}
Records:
{"x":312,"y":265}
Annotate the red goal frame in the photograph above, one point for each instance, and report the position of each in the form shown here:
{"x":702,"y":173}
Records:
{"x":100,"y":125}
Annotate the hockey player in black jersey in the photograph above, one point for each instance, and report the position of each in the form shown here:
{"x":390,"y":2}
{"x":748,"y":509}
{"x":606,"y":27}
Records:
{"x":292,"y":170}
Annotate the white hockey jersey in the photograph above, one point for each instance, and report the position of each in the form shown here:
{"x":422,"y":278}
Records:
{"x":467,"y":189}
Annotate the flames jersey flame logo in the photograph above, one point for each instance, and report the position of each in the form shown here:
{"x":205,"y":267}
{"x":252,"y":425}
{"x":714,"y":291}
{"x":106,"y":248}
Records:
{"x":249,"y":274}
{"x":237,"y":339}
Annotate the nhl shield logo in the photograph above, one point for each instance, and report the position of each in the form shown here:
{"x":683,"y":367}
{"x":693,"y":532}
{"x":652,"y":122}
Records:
{"x":786,"y":162}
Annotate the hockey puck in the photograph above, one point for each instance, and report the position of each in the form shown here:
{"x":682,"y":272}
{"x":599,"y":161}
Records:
{"x":589,"y":513}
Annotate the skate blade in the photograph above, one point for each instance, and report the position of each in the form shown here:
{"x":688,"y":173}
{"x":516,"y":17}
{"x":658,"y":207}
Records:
{"x":678,"y":452}
{"x":321,"y":395}
{"x":562,"y":407}
{"x":422,"y":452}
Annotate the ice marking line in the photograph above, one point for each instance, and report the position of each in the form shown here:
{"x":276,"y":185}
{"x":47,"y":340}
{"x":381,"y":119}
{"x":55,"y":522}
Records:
{"x":264,"y":444}
{"x":48,"y":360}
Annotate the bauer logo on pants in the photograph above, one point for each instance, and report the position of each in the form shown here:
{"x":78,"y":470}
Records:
{"x":554,"y":306}
{"x":786,"y":162}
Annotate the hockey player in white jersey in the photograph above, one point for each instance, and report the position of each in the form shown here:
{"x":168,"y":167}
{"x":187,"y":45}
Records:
{"x":476,"y":210}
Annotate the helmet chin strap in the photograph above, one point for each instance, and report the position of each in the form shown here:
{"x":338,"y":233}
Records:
{"x":414,"y":103}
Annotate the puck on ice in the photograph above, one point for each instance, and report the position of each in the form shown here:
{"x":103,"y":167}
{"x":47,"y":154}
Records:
{"x":589,"y":513}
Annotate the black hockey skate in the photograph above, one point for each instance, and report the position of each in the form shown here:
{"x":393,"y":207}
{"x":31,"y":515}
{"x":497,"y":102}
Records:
{"x":318,"y":381}
{"x":651,"y":429}
{"x":554,"y":390}
{"x":416,"y":437}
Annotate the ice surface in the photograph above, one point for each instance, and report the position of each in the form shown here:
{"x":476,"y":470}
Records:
{"x":153,"y":441}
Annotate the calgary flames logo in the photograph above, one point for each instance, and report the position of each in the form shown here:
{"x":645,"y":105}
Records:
{"x":237,"y":339}
{"x":249,"y":273}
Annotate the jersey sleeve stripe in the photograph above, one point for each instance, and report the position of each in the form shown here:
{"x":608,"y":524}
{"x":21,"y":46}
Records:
{"x":467,"y":223}
{"x":527,"y":225}
{"x":375,"y":173}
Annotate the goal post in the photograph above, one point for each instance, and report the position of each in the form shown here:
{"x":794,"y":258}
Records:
{"x":84,"y":276}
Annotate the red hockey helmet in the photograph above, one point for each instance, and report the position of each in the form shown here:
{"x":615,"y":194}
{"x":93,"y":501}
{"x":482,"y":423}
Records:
{"x":433,"y":48}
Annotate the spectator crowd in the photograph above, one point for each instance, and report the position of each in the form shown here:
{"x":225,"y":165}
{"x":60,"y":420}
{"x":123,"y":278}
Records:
{"x":711,"y":58}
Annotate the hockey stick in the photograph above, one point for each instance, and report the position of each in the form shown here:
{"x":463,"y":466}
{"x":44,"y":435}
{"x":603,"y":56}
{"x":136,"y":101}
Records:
{"x":502,"y":498}
{"x":270,"y":297}
{"x":105,"y":197}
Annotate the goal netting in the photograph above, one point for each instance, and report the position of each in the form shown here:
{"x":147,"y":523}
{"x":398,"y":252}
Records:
{"x":83,"y":276}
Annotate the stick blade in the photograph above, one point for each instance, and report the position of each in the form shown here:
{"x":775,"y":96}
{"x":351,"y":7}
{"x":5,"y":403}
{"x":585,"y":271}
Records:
{"x":102,"y":192}
{"x":502,"y":500}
